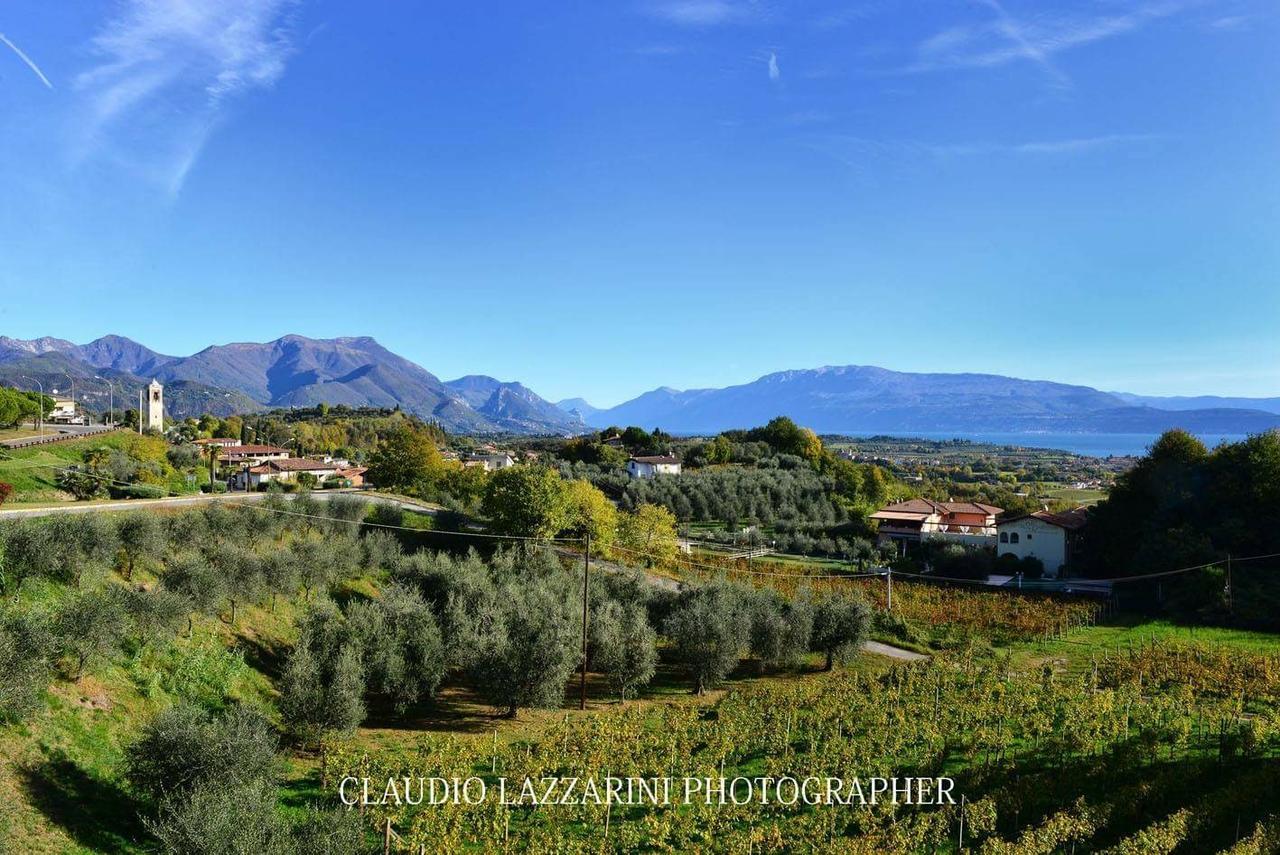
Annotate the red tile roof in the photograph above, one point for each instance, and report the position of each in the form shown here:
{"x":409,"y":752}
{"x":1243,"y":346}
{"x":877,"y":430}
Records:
{"x":1069,"y":520}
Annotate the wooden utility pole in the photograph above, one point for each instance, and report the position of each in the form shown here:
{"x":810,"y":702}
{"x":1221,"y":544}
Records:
{"x":586,"y":569}
{"x":888,"y":576}
{"x":1231,"y":596}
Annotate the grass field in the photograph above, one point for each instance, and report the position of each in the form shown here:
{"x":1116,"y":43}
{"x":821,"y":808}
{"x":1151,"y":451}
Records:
{"x":33,"y":471}
{"x":20,"y":432}
{"x":1077,"y":497}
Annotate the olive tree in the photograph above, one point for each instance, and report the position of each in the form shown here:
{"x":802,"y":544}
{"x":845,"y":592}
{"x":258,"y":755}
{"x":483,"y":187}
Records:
{"x":708,"y":632}
{"x":530,"y":650}
{"x":623,"y":646}
{"x":840,"y":625}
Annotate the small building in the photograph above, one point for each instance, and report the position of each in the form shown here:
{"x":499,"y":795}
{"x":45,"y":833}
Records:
{"x":252,"y":455}
{"x":492,"y":461}
{"x":63,"y":412}
{"x":915,"y":520}
{"x":1051,"y":538}
{"x":220,"y":441}
{"x":650,"y":467}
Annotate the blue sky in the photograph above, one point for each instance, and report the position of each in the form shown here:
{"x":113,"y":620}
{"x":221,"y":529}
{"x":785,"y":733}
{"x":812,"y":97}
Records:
{"x":600,"y":198}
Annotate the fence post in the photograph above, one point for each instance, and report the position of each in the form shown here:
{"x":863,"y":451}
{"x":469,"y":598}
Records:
{"x":386,"y":837}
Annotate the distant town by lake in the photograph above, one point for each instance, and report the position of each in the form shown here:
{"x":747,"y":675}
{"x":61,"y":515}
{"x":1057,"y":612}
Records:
{"x":1090,"y":444}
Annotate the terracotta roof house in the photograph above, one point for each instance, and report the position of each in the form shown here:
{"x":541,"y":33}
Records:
{"x":289,"y":469}
{"x":925,"y":519}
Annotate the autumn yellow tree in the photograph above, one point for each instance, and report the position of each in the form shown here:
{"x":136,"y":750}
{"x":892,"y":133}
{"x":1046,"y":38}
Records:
{"x":649,"y":534}
{"x":591,"y":512}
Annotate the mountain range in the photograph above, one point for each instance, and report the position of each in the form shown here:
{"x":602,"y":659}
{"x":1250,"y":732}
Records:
{"x":290,"y":371}
{"x":837,"y":399}
{"x":358,"y":371}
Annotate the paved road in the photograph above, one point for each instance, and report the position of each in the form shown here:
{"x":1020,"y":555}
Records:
{"x":892,"y":652}
{"x":56,"y":433}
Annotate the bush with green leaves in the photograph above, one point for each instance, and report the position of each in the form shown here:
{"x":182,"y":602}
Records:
{"x":141,"y":537}
{"x":400,"y":645}
{"x":26,"y":654}
{"x":88,"y":626}
{"x":381,"y":550}
{"x":323,"y":684}
{"x":215,"y":818}
{"x":530,"y":648}
{"x":185,"y":746}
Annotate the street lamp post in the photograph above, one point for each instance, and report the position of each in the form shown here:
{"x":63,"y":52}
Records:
{"x":111,"y":386}
{"x":40,"y":409}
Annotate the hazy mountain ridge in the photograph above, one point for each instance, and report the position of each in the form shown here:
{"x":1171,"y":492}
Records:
{"x":868,"y":398}
{"x":1200,"y":402}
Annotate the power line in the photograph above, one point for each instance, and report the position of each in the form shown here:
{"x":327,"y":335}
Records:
{"x":258,"y":507}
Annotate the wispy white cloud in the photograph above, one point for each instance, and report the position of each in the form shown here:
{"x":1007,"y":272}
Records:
{"x":774,"y":72}
{"x":30,"y":63}
{"x":1003,"y":40}
{"x":859,"y":152}
{"x":1230,"y":22}
{"x":701,"y":13}
{"x":1021,"y":39}
{"x":167,"y":70}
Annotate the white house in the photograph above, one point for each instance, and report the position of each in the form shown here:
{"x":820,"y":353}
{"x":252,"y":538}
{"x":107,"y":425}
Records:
{"x":1049,"y":537}
{"x":648,"y":467}
{"x":491,"y":461}
{"x":254,"y":455}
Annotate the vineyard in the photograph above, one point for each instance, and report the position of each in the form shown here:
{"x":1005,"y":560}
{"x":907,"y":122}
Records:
{"x":1046,"y":763}
{"x":937,"y":611}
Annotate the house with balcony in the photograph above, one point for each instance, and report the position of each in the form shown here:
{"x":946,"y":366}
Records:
{"x":915,"y":520}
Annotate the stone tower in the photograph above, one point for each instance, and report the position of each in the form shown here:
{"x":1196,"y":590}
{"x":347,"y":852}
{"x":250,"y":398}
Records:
{"x":153,"y":415}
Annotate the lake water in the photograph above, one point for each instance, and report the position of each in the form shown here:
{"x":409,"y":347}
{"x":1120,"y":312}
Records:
{"x":1091,"y":444}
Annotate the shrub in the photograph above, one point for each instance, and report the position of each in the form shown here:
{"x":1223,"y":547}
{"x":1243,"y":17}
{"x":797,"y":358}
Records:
{"x":529,"y":652}
{"x":25,"y":654}
{"x":88,"y":627}
{"x":184,"y":746}
{"x":142,"y":491}
{"x":215,"y":487}
{"x":623,"y":646}
{"x":215,"y":819}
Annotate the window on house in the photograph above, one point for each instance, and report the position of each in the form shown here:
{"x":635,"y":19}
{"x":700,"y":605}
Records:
{"x":1004,"y":537}
{"x":1013,"y":538}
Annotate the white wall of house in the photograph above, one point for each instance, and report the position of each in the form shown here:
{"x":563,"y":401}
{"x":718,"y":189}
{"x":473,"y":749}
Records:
{"x":637,"y":469}
{"x":1036,"y":538}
